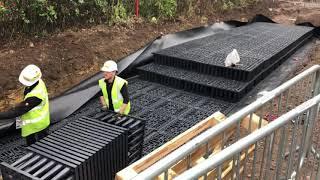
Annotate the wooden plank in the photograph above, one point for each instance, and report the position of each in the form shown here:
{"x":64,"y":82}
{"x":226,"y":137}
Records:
{"x":132,"y":170}
{"x":196,"y":157}
{"x":227,"y":166}
{"x":127,"y":173}
{"x":171,"y":175}
{"x":178,"y":141}
{"x":229,"y":175}
{"x":214,"y":144}
{"x":242,"y":157}
{"x":255,"y":120}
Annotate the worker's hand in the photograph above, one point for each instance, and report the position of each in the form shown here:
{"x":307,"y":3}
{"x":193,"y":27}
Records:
{"x":103,"y":103}
{"x":105,"y":108}
{"x":123,"y":108}
{"x":118,"y":116}
{"x":121,"y":112}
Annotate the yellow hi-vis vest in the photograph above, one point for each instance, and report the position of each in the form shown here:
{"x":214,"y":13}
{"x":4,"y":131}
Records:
{"x":117,"y":99}
{"x":38,"y":118}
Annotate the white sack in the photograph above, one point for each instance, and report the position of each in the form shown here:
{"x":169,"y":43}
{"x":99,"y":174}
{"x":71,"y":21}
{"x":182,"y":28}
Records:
{"x":232,"y":59}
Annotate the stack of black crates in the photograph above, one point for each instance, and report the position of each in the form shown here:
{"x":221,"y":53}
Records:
{"x":135,"y":127}
{"x":89,"y":148}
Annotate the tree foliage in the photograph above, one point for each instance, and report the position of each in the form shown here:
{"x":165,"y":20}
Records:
{"x":42,"y":16}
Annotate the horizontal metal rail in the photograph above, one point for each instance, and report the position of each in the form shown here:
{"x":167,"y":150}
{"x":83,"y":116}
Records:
{"x":245,"y":142}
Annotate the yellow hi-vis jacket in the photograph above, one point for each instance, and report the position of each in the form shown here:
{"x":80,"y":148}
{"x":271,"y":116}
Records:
{"x":117,"y":99}
{"x":38,"y":118}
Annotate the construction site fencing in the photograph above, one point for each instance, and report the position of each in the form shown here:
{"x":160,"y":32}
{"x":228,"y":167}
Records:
{"x":246,"y":121}
{"x":281,"y":147}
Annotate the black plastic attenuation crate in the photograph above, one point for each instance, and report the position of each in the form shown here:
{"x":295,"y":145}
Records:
{"x":257,"y":50}
{"x":85,"y":149}
{"x":217,"y":87}
{"x":134,"y":125}
{"x":210,"y":69}
{"x":32,"y":166}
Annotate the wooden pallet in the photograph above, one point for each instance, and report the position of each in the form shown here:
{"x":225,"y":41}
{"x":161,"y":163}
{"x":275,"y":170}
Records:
{"x":214,"y":145}
{"x":228,"y":166}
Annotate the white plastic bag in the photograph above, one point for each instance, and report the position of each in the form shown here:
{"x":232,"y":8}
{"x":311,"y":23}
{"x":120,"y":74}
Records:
{"x":232,"y":59}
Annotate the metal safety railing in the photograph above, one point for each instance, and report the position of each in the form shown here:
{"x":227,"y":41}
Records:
{"x":284,"y":142}
{"x":269,"y":107}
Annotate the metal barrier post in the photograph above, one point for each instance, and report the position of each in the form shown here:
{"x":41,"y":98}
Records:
{"x":311,"y":120}
{"x":245,"y":142}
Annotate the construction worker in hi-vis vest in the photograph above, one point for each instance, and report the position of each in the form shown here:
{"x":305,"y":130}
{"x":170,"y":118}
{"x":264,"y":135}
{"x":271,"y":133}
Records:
{"x":32,"y":115}
{"x":114,"y":90}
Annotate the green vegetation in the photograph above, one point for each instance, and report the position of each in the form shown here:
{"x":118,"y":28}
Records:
{"x":42,"y":16}
{"x":158,"y":8}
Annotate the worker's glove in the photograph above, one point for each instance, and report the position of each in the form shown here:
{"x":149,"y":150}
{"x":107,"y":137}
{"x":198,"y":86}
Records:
{"x":105,"y":108}
{"x":118,"y":116}
{"x":18,"y":123}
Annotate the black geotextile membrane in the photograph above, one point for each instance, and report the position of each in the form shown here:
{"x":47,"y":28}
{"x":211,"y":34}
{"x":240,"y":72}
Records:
{"x":86,"y":149}
{"x":259,"y":46}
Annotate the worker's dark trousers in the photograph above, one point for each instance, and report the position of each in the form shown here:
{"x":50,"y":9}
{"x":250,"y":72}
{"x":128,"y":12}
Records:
{"x":33,"y":138}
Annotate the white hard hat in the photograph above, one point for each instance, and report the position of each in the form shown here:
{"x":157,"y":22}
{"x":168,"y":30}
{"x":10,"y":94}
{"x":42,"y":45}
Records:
{"x":109,"y":66}
{"x":30,"y":75}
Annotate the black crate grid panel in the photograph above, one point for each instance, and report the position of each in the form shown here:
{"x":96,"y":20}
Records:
{"x":198,"y":66}
{"x":84,"y":149}
{"x":135,"y":127}
{"x":217,"y":87}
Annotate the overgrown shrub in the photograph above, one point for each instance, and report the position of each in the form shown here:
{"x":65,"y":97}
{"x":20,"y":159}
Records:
{"x":201,"y":7}
{"x":158,"y":8}
{"x":230,"y":4}
{"x":36,"y":16}
{"x":119,"y":13}
{"x":40,"y":16}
